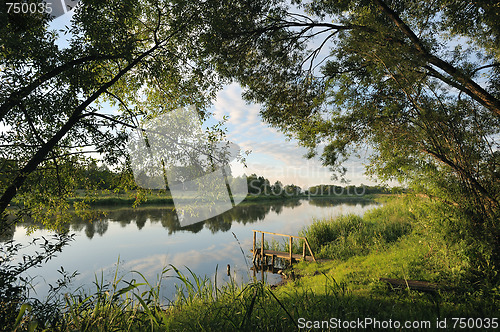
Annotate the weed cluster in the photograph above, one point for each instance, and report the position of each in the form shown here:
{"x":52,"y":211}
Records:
{"x":352,"y":235}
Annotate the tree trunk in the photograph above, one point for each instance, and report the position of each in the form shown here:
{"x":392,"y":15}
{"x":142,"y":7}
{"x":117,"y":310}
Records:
{"x":42,"y":153}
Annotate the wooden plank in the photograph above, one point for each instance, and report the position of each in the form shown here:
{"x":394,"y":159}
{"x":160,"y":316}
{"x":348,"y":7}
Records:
{"x":422,"y":286}
{"x":254,"y":257}
{"x":310,"y":251}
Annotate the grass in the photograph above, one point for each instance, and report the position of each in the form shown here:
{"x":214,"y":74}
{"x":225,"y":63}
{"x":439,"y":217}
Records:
{"x":352,"y":235}
{"x":392,"y":241}
{"x":102,"y":198}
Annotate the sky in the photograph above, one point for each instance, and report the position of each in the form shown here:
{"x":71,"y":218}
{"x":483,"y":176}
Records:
{"x":272,"y":155}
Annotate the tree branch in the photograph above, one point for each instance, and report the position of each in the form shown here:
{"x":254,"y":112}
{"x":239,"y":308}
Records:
{"x":468,"y":85}
{"x":496,"y":64}
{"x":31,"y":124}
{"x":132,"y":115}
{"x":473,"y":181}
{"x":110,"y":118}
{"x":40,"y":155}
{"x":15,"y":97}
{"x":288,"y":24}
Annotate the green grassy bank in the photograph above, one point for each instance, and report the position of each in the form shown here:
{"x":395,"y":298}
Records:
{"x":397,"y":240}
{"x":129,"y":198}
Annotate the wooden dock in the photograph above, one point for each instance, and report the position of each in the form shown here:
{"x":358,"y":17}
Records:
{"x":284,"y":255}
{"x":261,"y":255}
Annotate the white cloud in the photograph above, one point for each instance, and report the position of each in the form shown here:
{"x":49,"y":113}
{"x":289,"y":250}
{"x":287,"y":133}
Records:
{"x":272,"y":155}
{"x":152,"y":265}
{"x":230,"y":103}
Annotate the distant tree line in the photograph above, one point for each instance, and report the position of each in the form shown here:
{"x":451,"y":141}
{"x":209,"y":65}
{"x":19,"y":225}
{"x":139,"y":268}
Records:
{"x":327,"y":189}
{"x":100,"y":177}
{"x":259,"y":185}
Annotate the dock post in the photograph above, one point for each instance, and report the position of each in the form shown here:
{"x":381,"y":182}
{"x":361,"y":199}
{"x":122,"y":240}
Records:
{"x":262,"y":250}
{"x":304,"y":251}
{"x":310,"y":251}
{"x":254,"y":253}
{"x":291,"y":257}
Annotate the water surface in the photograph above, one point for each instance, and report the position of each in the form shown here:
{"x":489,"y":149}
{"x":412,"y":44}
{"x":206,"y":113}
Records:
{"x":148,"y":239}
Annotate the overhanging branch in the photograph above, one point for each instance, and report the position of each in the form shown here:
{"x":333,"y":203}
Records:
{"x":15,"y":97}
{"x":466,"y":85}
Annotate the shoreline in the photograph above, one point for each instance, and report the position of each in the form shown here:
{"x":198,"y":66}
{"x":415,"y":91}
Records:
{"x":118,"y":201}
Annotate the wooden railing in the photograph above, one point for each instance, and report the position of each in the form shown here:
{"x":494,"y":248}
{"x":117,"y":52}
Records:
{"x":281,"y":254}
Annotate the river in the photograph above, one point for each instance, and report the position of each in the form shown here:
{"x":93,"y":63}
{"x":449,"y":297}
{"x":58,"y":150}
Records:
{"x":147,"y":239}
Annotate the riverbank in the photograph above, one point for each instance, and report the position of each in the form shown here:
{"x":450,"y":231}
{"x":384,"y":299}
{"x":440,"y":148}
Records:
{"x":128,"y":199}
{"x":393,"y":241}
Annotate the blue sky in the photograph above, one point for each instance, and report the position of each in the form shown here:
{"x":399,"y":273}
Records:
{"x":272,"y":155}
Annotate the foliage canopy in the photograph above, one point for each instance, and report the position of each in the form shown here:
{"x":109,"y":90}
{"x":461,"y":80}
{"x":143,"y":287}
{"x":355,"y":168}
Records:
{"x":415,"y":85}
{"x":141,"y":58}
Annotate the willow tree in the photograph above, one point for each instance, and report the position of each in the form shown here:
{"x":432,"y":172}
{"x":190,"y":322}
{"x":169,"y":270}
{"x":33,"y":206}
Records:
{"x":140,"y":57}
{"x":415,"y":85}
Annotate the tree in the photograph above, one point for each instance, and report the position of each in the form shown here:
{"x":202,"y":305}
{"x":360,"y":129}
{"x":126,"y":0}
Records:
{"x":416,"y":84}
{"x":277,"y":188}
{"x":141,"y":57}
{"x":292,"y":190}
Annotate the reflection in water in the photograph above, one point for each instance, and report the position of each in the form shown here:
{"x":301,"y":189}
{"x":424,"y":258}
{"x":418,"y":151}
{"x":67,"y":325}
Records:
{"x":148,"y":239}
{"x":166,"y":216}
